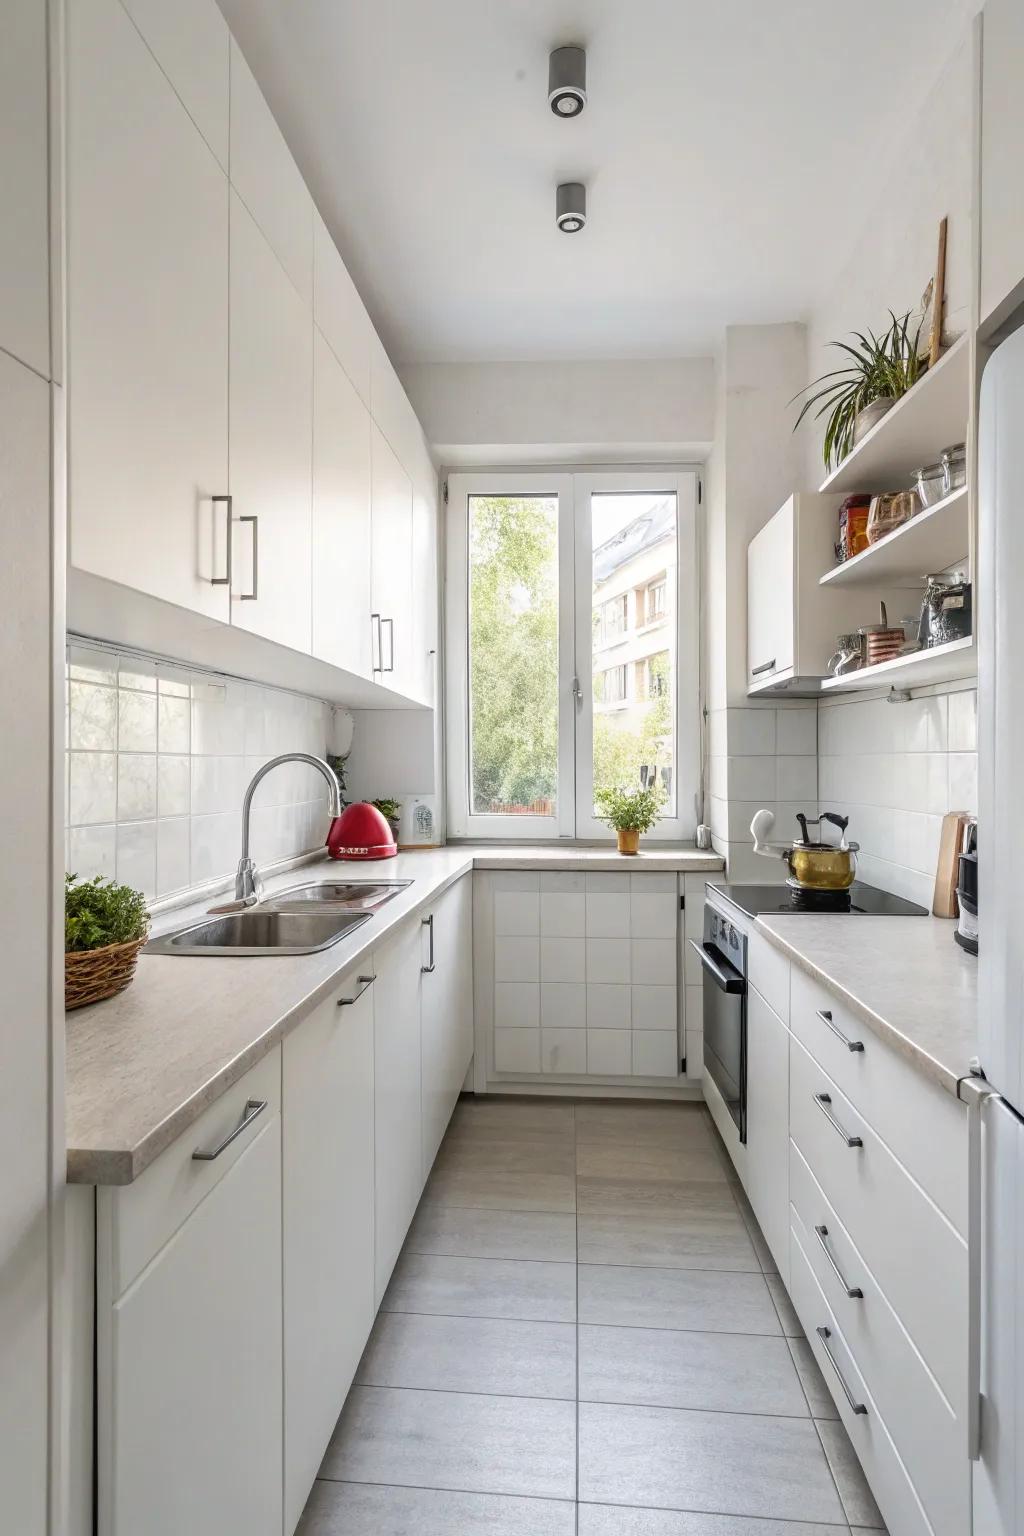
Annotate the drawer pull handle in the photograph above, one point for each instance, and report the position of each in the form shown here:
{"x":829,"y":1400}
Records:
{"x":766,"y":666}
{"x":825,"y":1015}
{"x":362,"y":983}
{"x":853,"y":1291}
{"x":824,"y":1334}
{"x":253,"y":1109}
{"x":428,"y":924}
{"x":225,"y":580}
{"x":824,"y":1101}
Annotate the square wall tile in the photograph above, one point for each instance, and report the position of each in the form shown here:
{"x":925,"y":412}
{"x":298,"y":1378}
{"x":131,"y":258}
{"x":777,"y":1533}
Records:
{"x":563,"y":914}
{"x":516,"y":912}
{"x":653,"y":1007}
{"x":214,"y":846}
{"x":654,"y":1054}
{"x":563,"y":1005}
{"x":173,"y":779}
{"x":654,"y":885}
{"x":653,"y":916}
{"x":963,"y":782}
{"x":516,"y":1050}
{"x":608,"y":915}
{"x":654,"y":962}
{"x":606,"y":884}
{"x":92,"y":717}
{"x":136,"y":785}
{"x":136,"y":721}
{"x":172,"y":855}
{"x":963,"y":721}
{"x":516,"y":959}
{"x":563,"y":959}
{"x":751,"y":778}
{"x":797,"y":779}
{"x":136,"y":856}
{"x":92,"y":851}
{"x":608,"y":1006}
{"x":133,"y":672}
{"x":563,"y":1050}
{"x":570,"y":882}
{"x":93,"y":787}
{"x":88,"y":666}
{"x":609,"y":1052}
{"x":608,"y":960}
{"x":751,"y":732}
{"x":695,"y":1053}
{"x":173,"y":723}
{"x":516,"y":1005}
{"x":796,"y":732}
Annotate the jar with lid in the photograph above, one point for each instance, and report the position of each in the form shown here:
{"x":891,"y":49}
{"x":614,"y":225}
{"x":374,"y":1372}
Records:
{"x":889,"y":512}
{"x":954,"y":468}
{"x":946,"y":611}
{"x":930,"y":483}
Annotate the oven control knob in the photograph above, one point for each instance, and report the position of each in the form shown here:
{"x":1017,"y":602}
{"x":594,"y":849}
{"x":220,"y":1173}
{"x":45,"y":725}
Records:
{"x":734,"y":942}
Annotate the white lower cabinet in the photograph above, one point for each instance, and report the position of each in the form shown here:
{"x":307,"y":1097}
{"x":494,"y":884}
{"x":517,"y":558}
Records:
{"x":398,"y":1148}
{"x":327,"y":1188}
{"x":446,"y":1012}
{"x":766,"y":1174}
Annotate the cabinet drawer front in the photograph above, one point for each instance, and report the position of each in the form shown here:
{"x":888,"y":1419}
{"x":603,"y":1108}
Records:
{"x":145,"y":1214}
{"x":769,"y":973}
{"x":925,"y":1127}
{"x":919,"y":1261}
{"x":929,"y":1437}
{"x":868,"y":1431}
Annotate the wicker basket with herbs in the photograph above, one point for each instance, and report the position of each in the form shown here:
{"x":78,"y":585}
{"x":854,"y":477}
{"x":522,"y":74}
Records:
{"x":105,"y":926}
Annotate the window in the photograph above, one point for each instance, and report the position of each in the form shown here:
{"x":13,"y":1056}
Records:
{"x":571,"y":647}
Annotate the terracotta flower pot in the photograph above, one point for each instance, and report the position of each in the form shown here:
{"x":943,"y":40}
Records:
{"x":629,"y":840}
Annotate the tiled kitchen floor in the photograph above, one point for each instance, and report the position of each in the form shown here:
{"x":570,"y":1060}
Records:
{"x":585,"y":1334}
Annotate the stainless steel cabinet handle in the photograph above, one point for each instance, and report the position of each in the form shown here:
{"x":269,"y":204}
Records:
{"x":853,"y":1291}
{"x":376,"y":666}
{"x":391,"y":646}
{"x":974,"y":1091}
{"x":428,"y":922}
{"x":825,"y":1015}
{"x":252,"y":596}
{"x":225,"y":580}
{"x":824,"y":1334}
{"x":824,"y":1101}
{"x":253,"y":1109}
{"x":766,"y":666}
{"x":362,"y":983}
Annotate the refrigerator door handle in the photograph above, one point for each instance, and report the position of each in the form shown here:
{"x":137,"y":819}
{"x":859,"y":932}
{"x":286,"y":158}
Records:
{"x":974,"y":1091}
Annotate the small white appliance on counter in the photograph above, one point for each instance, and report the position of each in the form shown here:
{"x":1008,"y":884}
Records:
{"x":996,"y":1220}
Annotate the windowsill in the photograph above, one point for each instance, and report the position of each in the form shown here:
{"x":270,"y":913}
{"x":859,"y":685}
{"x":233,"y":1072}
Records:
{"x":603,"y":857}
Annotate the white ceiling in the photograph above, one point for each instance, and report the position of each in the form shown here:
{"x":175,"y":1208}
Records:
{"x":729,"y":147}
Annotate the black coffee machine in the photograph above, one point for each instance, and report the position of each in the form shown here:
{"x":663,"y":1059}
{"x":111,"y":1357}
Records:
{"x":966,"y":934}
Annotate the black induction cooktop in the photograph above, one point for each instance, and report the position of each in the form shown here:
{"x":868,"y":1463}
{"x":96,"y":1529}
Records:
{"x":867,"y":900}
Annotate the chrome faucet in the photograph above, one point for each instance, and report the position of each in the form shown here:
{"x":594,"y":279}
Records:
{"x":248,"y":884}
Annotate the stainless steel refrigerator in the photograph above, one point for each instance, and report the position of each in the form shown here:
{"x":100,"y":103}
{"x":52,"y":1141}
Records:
{"x":997,"y":1104}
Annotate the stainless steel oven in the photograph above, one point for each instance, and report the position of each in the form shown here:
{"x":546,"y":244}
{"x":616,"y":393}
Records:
{"x":723,"y":955}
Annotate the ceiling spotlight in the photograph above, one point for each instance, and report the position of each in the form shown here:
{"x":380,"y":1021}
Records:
{"x":571,"y":207}
{"x":567,"y":82}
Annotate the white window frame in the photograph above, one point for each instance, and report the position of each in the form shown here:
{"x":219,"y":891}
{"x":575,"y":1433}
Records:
{"x":573,"y":488}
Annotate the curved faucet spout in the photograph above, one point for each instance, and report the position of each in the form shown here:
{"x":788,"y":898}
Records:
{"x":248,"y":884}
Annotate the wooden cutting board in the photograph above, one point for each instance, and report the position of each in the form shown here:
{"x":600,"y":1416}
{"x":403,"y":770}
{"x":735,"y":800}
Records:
{"x":944,"y":902}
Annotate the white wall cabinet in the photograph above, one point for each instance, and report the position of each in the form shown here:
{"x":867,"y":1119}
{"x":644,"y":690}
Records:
{"x":147,"y":279}
{"x":391,"y":565}
{"x":327,"y":1154}
{"x":24,"y":176}
{"x":341,"y":517}
{"x":190,"y":42}
{"x":398,"y":1150}
{"x":446,"y":1012}
{"x":271,"y":442}
{"x":423,"y":673}
{"x":1002,"y":132}
{"x":339,"y":311}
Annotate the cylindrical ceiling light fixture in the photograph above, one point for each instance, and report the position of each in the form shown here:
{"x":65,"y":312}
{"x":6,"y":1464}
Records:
{"x":567,"y":81}
{"x":571,"y":207}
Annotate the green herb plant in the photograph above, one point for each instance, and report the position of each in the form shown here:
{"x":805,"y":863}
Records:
{"x":98,"y":912}
{"x":391,"y":810}
{"x":629,"y":810}
{"x":881,"y":367}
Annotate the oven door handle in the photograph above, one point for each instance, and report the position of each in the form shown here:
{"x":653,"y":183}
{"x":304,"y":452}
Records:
{"x":725,"y":976}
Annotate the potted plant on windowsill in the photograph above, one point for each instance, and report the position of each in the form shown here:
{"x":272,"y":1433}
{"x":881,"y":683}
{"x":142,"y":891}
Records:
{"x":391,"y":810}
{"x":105,"y":926}
{"x":630,"y":812}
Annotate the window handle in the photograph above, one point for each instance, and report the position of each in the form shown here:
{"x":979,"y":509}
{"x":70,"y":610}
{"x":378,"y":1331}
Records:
{"x":577,"y":693}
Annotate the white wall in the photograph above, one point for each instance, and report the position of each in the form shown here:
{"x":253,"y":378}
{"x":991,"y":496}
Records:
{"x":601,"y":412}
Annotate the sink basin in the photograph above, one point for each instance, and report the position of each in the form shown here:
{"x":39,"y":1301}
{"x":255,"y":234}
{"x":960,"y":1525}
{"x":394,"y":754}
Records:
{"x":260,"y":931}
{"x":336,"y":895}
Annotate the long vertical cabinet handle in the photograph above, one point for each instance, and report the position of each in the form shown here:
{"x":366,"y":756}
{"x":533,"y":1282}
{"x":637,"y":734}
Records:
{"x":974,"y":1091}
{"x":225,"y":580}
{"x":252,"y":595}
{"x":428,"y":923}
{"x":375,"y":629}
{"x":391,"y":646}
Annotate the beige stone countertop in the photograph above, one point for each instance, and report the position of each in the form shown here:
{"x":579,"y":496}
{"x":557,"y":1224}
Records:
{"x":904,"y":976}
{"x":142,"y":1066}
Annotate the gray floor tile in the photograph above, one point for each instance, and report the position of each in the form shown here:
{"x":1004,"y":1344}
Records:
{"x":716,"y":1301}
{"x":695,"y":1236}
{"x":867,"y":1530}
{"x":496,"y":1188}
{"x":510,"y":1118}
{"x":784,"y":1307}
{"x":858,"y":1500}
{"x":700,"y":1198}
{"x":607,"y":1520}
{"x":473,"y":1444}
{"x":473,"y":1155}
{"x":726,"y":1463}
{"x":723,"y":1372}
{"x":819,"y":1398}
{"x":470,"y":1354}
{"x":467,"y":1233}
{"x":647,"y":1161}
{"x":651,"y":1124}
{"x":357,"y":1509}
{"x":526,"y":1289}
{"x":765,"y":1257}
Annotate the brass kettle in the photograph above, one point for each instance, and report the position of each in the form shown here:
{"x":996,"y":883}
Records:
{"x":813,"y":865}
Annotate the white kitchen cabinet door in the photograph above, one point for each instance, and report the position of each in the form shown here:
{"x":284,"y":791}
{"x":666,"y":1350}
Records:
{"x":271,"y":442}
{"x":339,"y":311}
{"x":341,"y":517}
{"x":767,"y":1160}
{"x":398,"y":1152}
{"x":1002,"y":132}
{"x":423,"y":676}
{"x":391,"y":566}
{"x":147,"y":288}
{"x":447,"y":1012}
{"x":190,"y":42}
{"x":195,"y":1356}
{"x":24,"y":176}
{"x":771,"y":622}
{"x":327,"y":1161}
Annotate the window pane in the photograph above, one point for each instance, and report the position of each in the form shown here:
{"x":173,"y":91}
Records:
{"x":634,"y":640}
{"x":513,"y":654}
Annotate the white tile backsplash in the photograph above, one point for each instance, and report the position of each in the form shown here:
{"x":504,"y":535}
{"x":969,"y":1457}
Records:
{"x":158,"y":760}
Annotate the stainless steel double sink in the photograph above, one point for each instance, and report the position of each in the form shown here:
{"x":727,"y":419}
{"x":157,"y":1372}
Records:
{"x":298,"y":921}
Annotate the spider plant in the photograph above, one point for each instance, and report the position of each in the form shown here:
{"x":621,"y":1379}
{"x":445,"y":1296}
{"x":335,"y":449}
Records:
{"x":881,"y":367}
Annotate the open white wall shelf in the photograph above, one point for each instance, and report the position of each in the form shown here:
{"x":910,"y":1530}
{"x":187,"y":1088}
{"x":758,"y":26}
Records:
{"x":936,"y":538}
{"x":927,"y":420}
{"x":939,"y":664}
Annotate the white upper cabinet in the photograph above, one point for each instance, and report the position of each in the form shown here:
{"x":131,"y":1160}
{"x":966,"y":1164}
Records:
{"x":339,"y":311}
{"x":423,"y":672}
{"x":771,"y":623}
{"x":391,"y":566}
{"x":1002,"y":133}
{"x":24,"y":229}
{"x":271,"y":442}
{"x":190,"y":41}
{"x":267,"y":179}
{"x":147,"y":278}
{"x":341,"y":517}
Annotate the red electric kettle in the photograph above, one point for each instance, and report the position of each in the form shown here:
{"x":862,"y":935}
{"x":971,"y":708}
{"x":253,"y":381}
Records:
{"x":361,"y":832}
